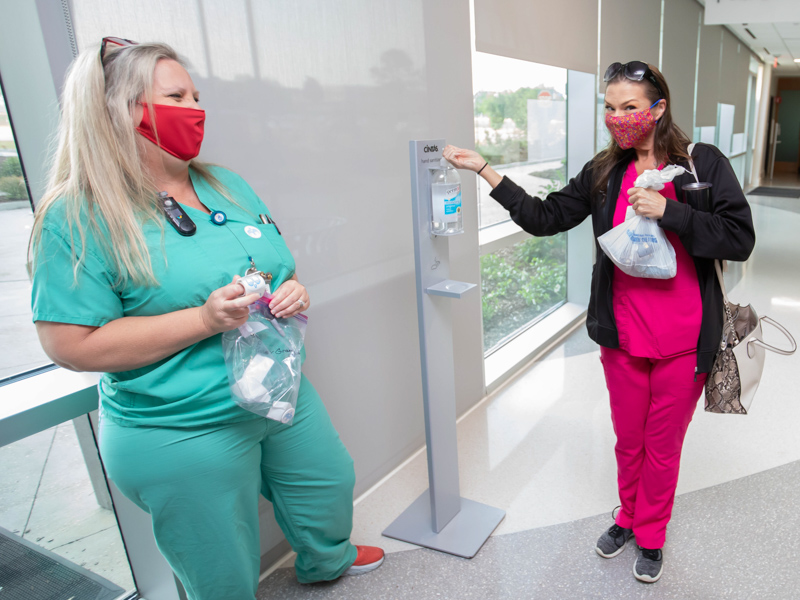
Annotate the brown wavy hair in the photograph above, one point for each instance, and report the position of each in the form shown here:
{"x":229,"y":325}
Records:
{"x":670,"y":143}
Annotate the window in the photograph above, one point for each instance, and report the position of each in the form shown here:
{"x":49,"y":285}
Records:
{"x":521,"y":130}
{"x":19,"y":345}
{"x":520,"y":284}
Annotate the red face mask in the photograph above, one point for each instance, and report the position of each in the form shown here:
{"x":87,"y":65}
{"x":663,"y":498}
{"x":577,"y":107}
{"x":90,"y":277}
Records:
{"x":180,"y":129}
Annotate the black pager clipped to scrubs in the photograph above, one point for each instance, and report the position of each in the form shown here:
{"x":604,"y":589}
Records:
{"x":175,"y":214}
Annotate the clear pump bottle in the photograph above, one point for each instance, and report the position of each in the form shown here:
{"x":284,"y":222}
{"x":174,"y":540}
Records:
{"x":446,"y":217}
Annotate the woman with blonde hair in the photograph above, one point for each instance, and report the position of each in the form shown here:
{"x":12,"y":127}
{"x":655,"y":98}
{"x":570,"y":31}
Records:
{"x":120,"y":288}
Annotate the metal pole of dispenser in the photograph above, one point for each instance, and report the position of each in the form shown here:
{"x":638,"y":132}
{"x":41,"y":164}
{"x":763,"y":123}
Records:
{"x":440,"y":518}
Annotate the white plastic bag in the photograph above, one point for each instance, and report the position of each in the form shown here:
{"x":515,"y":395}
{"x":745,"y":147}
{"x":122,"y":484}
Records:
{"x":263,"y":359}
{"x":638,"y":246}
{"x":655,"y":179}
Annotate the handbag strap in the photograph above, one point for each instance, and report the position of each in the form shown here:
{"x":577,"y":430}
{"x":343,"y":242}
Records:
{"x":757,"y":342}
{"x":721,"y":279}
{"x":780,"y":328}
{"x":727,"y":306}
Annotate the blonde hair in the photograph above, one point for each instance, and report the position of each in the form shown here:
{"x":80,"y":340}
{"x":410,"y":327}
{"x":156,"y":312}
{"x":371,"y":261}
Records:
{"x":97,"y":170}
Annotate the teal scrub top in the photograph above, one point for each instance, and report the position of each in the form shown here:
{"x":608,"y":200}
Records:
{"x":189,"y":388}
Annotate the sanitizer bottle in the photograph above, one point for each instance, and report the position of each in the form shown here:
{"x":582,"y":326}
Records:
{"x":446,"y":218}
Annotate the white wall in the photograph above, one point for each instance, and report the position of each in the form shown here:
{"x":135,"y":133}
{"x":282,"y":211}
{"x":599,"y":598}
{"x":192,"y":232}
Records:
{"x":314,"y":103}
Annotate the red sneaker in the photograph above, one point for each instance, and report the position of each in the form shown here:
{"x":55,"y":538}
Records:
{"x":369,"y":558}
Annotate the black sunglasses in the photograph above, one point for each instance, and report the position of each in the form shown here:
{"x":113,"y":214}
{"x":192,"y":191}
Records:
{"x":114,"y":41}
{"x":635,"y":70}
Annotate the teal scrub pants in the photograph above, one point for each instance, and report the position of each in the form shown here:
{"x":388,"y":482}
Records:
{"x":201,"y":487}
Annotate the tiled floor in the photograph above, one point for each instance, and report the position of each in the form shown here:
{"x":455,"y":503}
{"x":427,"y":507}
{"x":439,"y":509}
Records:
{"x":542,"y":449}
{"x":710,"y":556}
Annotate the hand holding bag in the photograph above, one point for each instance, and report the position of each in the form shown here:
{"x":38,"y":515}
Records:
{"x":638,"y":246}
{"x":263,"y":358}
{"x":739,"y":364}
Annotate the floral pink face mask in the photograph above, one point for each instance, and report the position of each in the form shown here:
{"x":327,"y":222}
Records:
{"x":631,"y":130}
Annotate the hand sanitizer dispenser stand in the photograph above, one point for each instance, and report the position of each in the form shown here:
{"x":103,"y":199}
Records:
{"x":440,"y":518}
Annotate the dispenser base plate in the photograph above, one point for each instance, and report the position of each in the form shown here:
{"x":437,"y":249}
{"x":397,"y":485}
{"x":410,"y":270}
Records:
{"x":463,"y":536}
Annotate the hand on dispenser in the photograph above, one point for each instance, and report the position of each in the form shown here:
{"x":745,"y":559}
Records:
{"x":461,"y":158}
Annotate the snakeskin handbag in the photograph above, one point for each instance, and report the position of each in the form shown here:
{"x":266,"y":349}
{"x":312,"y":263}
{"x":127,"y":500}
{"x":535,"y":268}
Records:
{"x":739,"y":363}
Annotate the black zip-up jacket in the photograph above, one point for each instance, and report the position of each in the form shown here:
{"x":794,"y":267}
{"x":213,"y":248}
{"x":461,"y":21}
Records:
{"x":722,"y":230}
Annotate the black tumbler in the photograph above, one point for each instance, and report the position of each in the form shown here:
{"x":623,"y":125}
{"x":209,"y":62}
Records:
{"x":698,"y":195}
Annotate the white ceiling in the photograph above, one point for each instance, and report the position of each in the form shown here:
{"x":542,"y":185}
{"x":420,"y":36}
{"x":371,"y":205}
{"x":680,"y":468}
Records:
{"x":780,"y":39}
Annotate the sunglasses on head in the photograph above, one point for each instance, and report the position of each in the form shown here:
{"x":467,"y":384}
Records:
{"x":114,"y":41}
{"x":635,"y":70}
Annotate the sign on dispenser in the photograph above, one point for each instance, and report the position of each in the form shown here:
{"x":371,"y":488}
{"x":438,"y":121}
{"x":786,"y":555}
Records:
{"x":446,"y":217}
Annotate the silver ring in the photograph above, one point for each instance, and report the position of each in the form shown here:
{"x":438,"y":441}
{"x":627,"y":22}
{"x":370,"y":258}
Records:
{"x":301,"y":303}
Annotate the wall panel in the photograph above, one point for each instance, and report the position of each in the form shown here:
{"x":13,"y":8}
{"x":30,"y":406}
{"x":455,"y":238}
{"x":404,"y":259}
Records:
{"x":681,"y":21}
{"x":708,"y":76}
{"x":562,"y":34}
{"x":734,"y":71}
{"x":629,"y":30}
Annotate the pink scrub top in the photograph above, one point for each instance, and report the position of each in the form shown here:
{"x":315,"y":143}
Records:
{"x":656,"y":318}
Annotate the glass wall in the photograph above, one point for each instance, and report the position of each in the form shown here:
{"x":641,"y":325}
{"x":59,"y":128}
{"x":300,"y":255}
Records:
{"x":521,"y":130}
{"x":19,"y":345}
{"x":58,"y":531}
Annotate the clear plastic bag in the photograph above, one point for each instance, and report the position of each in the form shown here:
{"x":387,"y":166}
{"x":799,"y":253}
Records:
{"x":263,"y":359}
{"x":640,"y":248}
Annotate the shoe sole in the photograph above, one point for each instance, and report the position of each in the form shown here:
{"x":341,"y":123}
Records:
{"x":360,"y":570}
{"x":617,"y":553}
{"x":647,"y":578}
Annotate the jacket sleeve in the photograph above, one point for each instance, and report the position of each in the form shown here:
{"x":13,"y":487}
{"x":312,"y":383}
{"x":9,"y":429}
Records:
{"x":559,"y":212}
{"x":726,"y":231}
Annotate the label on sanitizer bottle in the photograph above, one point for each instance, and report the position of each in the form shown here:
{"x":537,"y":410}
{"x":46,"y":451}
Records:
{"x":446,"y":201}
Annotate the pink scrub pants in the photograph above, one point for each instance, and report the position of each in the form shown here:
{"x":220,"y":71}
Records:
{"x":652,"y":403}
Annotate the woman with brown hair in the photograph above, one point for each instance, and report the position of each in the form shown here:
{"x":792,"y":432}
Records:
{"x":657,"y":337}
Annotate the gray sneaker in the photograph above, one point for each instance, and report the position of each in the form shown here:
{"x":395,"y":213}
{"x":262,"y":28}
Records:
{"x":613,"y":541}
{"x":649,"y":565}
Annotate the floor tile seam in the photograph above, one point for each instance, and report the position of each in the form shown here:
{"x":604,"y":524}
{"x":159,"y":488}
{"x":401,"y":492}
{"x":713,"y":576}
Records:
{"x":64,"y":545}
{"x":39,"y":484}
